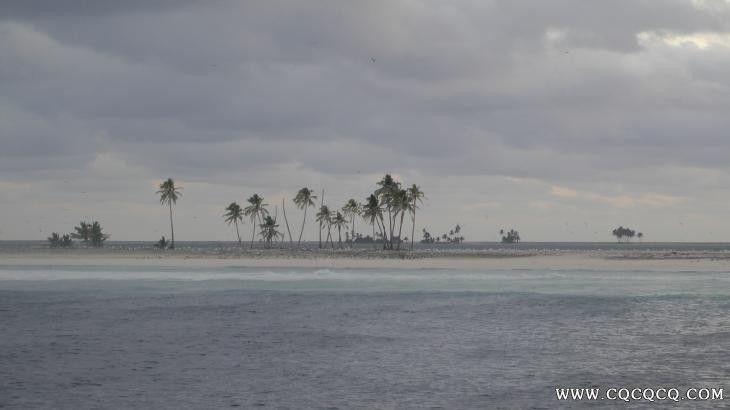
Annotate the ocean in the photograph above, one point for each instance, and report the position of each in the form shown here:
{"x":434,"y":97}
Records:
{"x":482,"y":335}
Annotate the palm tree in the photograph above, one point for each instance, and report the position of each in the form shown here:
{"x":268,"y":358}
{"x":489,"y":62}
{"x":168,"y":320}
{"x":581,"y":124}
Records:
{"x":234,"y":214}
{"x":339,"y":221}
{"x":83,"y":232}
{"x":373,"y":212}
{"x":303,"y":200}
{"x":415,"y":195}
{"x":385,"y":194}
{"x":351,"y":210}
{"x":324,"y":216}
{"x":401,"y":204}
{"x":256,"y":210}
{"x":269,"y":231}
{"x":169,"y":194}
{"x":97,"y":236}
{"x":640,"y":236}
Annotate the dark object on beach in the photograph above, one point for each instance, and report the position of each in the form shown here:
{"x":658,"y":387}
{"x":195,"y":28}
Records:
{"x":511,"y":237}
{"x":58,"y":241}
{"x":162,"y":243}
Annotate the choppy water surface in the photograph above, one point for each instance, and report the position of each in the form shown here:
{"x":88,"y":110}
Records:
{"x":78,"y":337}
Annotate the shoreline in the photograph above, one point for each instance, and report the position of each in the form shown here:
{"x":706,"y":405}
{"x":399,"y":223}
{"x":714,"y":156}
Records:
{"x":508,"y":259}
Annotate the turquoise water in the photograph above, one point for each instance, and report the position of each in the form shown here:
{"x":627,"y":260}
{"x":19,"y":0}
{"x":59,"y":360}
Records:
{"x":641,"y":282}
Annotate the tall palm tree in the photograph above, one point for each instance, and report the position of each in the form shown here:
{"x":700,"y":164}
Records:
{"x":351,"y":210}
{"x":339,"y":221}
{"x":415,"y":195}
{"x":268,"y":230}
{"x":386,"y":194}
{"x":401,"y":204}
{"x":373,"y":213}
{"x":324,"y":216}
{"x":169,"y":194}
{"x":388,"y":188}
{"x":234,"y":214}
{"x":256,"y":210}
{"x":303,"y":200}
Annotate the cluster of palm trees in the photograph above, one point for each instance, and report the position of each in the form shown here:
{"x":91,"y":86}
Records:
{"x":511,"y":236}
{"x":385,"y":209}
{"x":89,"y":233}
{"x":258,"y":214}
{"x":620,"y":233}
{"x":452,"y":237}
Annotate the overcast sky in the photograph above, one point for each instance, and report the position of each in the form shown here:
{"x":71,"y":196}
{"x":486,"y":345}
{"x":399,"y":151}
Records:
{"x":562,"y":119}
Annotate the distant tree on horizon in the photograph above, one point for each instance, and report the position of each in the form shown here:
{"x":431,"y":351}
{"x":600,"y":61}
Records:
{"x":339,"y":221}
{"x":324,"y":217}
{"x":351,"y":210}
{"x":415,"y":196}
{"x":510,"y":237}
{"x":169,"y":195}
{"x":303,"y":200}
{"x":256,"y":210}
{"x":269,"y":231}
{"x":373,"y":213}
{"x":234,"y":214}
{"x":60,"y":241}
{"x":90,"y":234}
{"x":622,"y":232}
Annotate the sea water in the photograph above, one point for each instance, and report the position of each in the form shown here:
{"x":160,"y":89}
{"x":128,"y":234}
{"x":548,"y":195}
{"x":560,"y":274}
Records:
{"x":178,"y":337}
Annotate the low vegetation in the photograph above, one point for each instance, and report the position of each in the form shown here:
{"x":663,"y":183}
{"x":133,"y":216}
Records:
{"x":60,"y":241}
{"x":512,"y":236}
{"x":625,"y":234}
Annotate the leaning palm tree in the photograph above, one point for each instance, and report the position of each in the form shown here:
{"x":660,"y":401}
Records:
{"x":324,"y":217}
{"x":339,"y":221}
{"x":169,"y":194}
{"x":415,"y":196}
{"x":234,"y":214}
{"x":351,"y":210}
{"x":303,"y":200}
{"x":256,"y":210}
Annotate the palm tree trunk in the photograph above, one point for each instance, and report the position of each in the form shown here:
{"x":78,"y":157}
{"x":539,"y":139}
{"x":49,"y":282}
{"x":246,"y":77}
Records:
{"x":299,"y":243}
{"x":172,"y":228}
{"x":374,"y":244}
{"x":339,"y":234}
{"x":390,"y":230}
{"x":400,"y":229}
{"x":235,"y":222}
{"x":321,"y":204}
{"x":384,"y":232}
{"x":352,"y":243}
{"x":329,"y":236}
{"x":291,"y":242}
{"x":413,"y":223}
{"x":253,"y":233}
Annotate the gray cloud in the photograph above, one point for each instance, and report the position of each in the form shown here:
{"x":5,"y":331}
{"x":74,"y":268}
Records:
{"x":600,"y":97}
